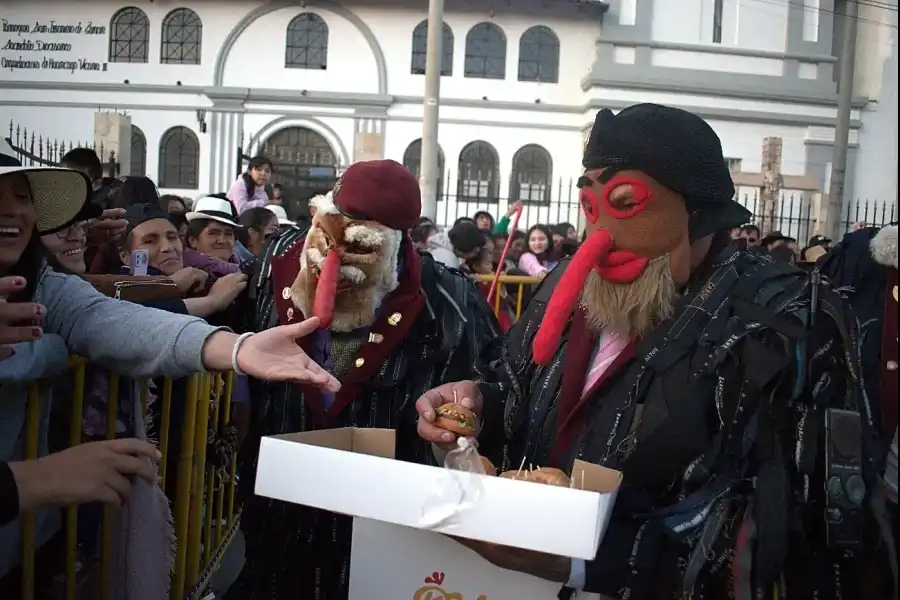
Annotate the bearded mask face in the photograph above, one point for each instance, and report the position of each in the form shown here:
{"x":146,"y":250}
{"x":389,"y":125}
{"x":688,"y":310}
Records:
{"x":347,"y":268}
{"x":636,"y":256}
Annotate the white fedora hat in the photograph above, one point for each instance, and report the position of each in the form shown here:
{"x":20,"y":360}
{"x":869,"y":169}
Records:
{"x":280,"y":214}
{"x":213,"y":209}
{"x":60,"y":196}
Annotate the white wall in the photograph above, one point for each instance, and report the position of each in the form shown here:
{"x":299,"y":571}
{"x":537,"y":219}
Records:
{"x":876,"y":78}
{"x":218,"y":19}
{"x":749,"y":24}
{"x":256,"y":61}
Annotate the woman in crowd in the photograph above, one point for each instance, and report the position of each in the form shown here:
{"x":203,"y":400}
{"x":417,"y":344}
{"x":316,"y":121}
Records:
{"x":173,"y":204}
{"x":180,"y":223}
{"x":150,"y":229}
{"x":210,"y":239}
{"x":66,"y":248}
{"x":281,"y":215}
{"x":537,"y":260}
{"x":484,"y":220}
{"x":139,"y":342}
{"x":276,"y":197}
{"x":483,"y":264}
{"x":249,"y":191}
{"x":136,"y":190}
{"x":467,"y":241}
{"x":258,"y":226}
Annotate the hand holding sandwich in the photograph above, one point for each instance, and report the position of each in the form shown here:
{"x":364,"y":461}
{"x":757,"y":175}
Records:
{"x":449,"y":411}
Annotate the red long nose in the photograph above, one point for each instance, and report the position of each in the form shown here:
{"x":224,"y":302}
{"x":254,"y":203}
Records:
{"x":326,"y":288}
{"x":590,"y":255}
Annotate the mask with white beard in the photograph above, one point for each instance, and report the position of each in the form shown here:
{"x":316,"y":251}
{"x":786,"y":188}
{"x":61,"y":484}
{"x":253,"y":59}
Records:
{"x":347,"y":268}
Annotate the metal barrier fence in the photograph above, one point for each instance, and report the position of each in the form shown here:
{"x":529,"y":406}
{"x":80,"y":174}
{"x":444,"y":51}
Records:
{"x":204,"y":511}
{"x":520,"y":281}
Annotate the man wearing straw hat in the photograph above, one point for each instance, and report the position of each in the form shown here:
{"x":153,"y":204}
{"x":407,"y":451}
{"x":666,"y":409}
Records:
{"x":394,"y":323}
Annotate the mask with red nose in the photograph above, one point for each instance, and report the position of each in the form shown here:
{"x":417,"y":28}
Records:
{"x":655,"y":179}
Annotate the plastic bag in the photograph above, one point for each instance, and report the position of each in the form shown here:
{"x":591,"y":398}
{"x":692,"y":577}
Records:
{"x":465,"y":457}
{"x":455,"y":489}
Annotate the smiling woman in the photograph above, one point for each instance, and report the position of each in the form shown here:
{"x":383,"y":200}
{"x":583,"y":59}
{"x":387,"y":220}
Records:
{"x":45,"y":312}
{"x":66,"y":248}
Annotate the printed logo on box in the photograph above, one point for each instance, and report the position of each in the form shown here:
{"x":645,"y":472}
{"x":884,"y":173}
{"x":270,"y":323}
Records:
{"x":432,"y":590}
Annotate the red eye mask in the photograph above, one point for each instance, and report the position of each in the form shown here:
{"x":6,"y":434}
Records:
{"x":641,"y":195}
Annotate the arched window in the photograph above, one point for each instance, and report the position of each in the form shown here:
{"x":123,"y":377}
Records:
{"x":129,"y":36}
{"x":420,"y":50}
{"x":479,"y":173}
{"x":306,"y":46}
{"x":532,"y":172}
{"x":182,"y":36}
{"x":138,"y":152}
{"x":179,"y":159}
{"x":412,"y":160}
{"x":299,"y":146}
{"x":486,"y":52}
{"x":539,"y":55}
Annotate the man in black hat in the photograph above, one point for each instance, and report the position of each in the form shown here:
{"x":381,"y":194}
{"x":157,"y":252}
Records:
{"x":709,"y":375}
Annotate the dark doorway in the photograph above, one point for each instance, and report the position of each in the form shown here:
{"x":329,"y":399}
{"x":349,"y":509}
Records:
{"x":304,"y":163}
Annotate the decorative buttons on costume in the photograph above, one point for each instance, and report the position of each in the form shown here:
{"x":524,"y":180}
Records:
{"x":290,"y":314}
{"x":286,"y":293}
{"x":360,"y":362}
{"x":394,"y":319}
{"x":892,"y":365}
{"x":375,"y":338}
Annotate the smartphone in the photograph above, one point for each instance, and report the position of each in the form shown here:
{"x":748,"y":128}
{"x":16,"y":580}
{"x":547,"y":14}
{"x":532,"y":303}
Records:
{"x":140,"y":259}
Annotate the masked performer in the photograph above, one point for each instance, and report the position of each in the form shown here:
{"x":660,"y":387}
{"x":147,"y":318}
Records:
{"x":398,"y":324}
{"x":705,"y":373}
{"x":865,"y":264}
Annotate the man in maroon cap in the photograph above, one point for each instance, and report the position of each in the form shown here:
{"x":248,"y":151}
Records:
{"x":395,"y":324}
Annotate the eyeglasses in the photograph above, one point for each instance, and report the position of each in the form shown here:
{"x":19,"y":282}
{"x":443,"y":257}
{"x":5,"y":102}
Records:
{"x":72,"y":231}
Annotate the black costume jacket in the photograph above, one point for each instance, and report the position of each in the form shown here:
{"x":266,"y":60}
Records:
{"x":716,"y":420}
{"x":443,"y":329}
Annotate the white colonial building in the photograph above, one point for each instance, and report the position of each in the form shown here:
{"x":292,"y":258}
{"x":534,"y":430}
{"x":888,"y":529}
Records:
{"x":317,"y":84}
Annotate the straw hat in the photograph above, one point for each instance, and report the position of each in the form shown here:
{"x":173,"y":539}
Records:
{"x":60,"y":196}
{"x":280,"y":214}
{"x":213,"y":209}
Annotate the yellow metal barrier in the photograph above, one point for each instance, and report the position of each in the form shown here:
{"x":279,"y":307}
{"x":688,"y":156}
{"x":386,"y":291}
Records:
{"x":204,"y":511}
{"x":520,"y":281}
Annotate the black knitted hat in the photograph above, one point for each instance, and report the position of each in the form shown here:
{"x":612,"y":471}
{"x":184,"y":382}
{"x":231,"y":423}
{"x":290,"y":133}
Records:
{"x":676,"y":148}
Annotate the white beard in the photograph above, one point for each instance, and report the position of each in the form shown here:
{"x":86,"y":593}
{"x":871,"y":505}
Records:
{"x":356,"y":307}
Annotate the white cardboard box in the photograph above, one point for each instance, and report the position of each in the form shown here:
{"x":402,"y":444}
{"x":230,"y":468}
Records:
{"x":429,"y":566}
{"x":351,"y":471}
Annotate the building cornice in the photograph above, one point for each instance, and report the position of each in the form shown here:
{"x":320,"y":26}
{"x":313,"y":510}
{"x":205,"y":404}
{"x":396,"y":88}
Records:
{"x":235,"y":99}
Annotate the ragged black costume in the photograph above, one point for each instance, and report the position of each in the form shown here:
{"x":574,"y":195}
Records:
{"x":431,"y":329}
{"x":735,"y":420}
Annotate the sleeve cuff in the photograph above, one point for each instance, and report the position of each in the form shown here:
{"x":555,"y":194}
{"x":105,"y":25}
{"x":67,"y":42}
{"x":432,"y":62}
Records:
{"x":577,"y":574}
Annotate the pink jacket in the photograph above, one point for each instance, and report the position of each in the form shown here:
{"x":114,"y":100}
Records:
{"x":242,"y":202}
{"x":529,"y":263}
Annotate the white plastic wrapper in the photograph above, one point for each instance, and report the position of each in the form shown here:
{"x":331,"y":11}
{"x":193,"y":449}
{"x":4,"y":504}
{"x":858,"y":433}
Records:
{"x":455,"y":489}
{"x":465,"y":457}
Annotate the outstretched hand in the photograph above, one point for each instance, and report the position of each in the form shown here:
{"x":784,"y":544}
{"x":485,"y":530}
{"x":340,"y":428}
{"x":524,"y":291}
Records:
{"x":273,"y":355}
{"x":110,"y":225}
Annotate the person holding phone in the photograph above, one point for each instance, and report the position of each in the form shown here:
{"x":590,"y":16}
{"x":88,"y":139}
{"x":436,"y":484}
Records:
{"x":136,"y":341}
